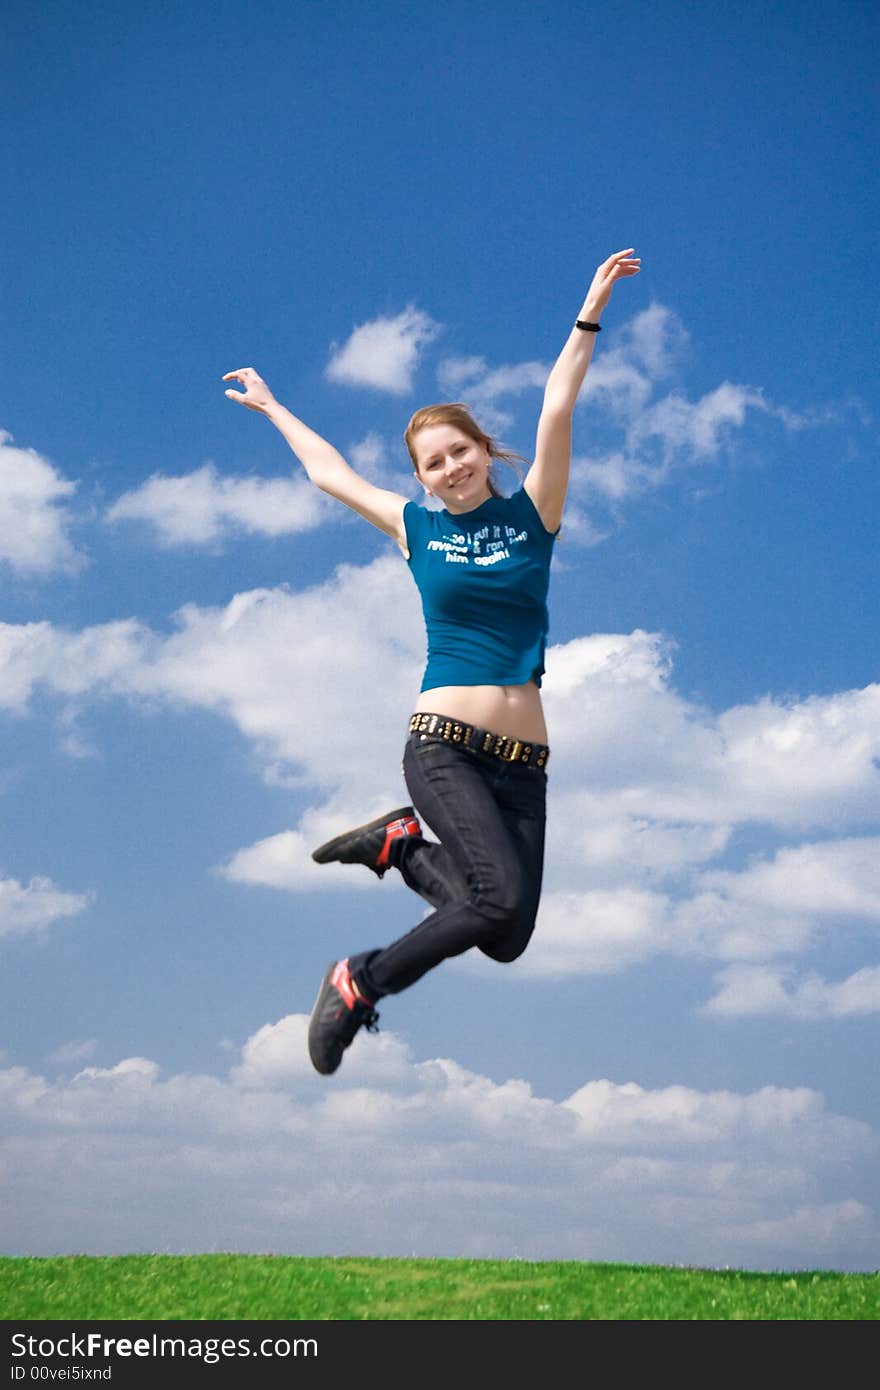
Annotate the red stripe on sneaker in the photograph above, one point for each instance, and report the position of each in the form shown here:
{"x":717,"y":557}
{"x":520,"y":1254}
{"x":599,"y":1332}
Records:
{"x":397,"y":830}
{"x":341,"y":981}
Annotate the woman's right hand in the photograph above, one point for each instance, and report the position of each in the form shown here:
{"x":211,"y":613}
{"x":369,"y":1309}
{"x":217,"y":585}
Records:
{"x":256,"y":394}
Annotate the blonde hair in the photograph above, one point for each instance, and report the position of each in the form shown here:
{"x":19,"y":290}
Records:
{"x":457,"y":414}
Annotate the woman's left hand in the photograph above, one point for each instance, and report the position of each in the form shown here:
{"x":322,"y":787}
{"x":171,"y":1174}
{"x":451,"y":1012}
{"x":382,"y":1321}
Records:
{"x":617,"y":267}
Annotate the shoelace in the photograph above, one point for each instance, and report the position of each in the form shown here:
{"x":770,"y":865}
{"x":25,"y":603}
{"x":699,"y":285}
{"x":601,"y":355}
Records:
{"x":371,"y":1021}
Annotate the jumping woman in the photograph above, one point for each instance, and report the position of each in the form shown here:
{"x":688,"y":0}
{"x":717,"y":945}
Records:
{"x":476,"y":758}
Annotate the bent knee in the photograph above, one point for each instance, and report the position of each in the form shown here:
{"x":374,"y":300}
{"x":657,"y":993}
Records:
{"x":504,"y":954}
{"x":508,"y":948}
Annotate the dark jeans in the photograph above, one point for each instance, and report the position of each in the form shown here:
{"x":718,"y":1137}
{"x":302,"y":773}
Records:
{"x":483,"y":878}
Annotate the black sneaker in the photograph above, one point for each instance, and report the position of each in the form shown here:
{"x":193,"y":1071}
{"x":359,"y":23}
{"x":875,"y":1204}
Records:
{"x":370,"y":844}
{"x":336,"y":1018}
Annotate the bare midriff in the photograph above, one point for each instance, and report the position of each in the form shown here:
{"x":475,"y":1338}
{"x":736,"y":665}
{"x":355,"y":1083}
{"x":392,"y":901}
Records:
{"x":513,"y":710}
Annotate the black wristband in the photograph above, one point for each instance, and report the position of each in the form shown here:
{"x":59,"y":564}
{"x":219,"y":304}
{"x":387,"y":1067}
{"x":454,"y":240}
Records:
{"x":588,"y":327}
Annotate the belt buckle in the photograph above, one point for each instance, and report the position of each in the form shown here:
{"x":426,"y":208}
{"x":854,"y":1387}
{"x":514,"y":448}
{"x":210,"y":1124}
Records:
{"x":510,"y":750}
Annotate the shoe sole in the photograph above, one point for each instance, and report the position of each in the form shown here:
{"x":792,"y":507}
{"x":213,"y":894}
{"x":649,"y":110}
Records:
{"x":323,"y":1071}
{"x":324,"y":854}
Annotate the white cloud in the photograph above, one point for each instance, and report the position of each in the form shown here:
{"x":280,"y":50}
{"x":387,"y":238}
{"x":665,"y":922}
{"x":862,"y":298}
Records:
{"x":833,"y":878}
{"x":455,"y":372}
{"x":648,"y":752}
{"x":447,"y":1162}
{"x":777,"y":907}
{"x":607,"y":847}
{"x":259,"y":660}
{"x":615,"y":476}
{"x":34,"y":521}
{"x":384,"y":352}
{"x":790,"y":760}
{"x":97,"y":660}
{"x":263,"y":662}
{"x":752,"y":990}
{"x":35,"y":906}
{"x":819,"y":1223}
{"x":694,"y":429}
{"x":368,"y":454}
{"x":140,"y":1067}
{"x":596,"y":931}
{"x":201,"y":507}
{"x":670,"y":433}
{"x":724,"y":926}
{"x":674,"y":1115}
{"x":654,"y":340}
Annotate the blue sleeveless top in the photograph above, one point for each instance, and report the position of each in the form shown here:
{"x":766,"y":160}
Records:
{"x":483,"y":577}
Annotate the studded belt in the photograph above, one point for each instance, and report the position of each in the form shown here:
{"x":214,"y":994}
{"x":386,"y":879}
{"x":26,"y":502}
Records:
{"x":509,"y":750}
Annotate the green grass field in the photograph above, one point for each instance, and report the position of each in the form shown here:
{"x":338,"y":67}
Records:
{"x":262,"y":1287}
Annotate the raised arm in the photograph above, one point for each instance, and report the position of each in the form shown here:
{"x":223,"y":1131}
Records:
{"x":325,"y":466}
{"x":547,"y":479}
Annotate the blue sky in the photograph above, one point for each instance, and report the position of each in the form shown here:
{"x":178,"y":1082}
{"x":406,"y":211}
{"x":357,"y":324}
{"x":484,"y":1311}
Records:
{"x":379,"y":208}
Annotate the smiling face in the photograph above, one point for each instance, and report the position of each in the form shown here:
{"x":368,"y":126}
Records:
{"x":452,"y":467}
